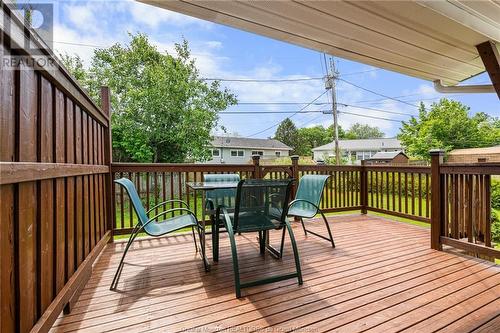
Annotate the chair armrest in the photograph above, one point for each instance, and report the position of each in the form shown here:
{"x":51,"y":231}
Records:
{"x":209,"y":203}
{"x":303,"y":200}
{"x":224,"y":212}
{"x":166,"y":202}
{"x":170,"y":211}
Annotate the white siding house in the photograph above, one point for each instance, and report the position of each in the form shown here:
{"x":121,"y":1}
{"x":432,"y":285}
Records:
{"x":357,"y":150}
{"x":236,"y":150}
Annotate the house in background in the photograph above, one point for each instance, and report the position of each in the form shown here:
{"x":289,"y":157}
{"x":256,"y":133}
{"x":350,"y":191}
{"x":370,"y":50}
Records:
{"x":474,"y":155}
{"x":238,"y":150}
{"x":388,"y":157}
{"x":357,"y":150}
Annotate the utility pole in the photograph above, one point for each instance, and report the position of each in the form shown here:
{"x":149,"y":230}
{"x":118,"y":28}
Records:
{"x":330,"y":84}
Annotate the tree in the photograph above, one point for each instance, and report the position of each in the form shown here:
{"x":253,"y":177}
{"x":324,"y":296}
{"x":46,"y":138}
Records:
{"x":311,"y":137}
{"x":360,"y":131}
{"x":447,"y":125}
{"x":162,"y":110}
{"x":288,"y":134}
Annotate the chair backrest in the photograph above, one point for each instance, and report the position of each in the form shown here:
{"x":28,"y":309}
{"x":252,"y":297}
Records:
{"x":134,"y":199}
{"x":226,"y":197}
{"x":311,"y":188}
{"x":262,"y":197}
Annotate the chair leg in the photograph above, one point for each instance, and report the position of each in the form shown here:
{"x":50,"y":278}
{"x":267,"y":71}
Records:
{"x":303,"y":226}
{"x":114,"y":283}
{"x":295,"y":252}
{"x":282,"y":242}
{"x":328,"y":228}
{"x":215,"y":241}
{"x":234,"y":254}
{"x":194,"y":239}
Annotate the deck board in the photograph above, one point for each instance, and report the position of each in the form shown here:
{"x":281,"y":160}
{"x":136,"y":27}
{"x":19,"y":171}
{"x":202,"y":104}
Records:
{"x":382,"y":276}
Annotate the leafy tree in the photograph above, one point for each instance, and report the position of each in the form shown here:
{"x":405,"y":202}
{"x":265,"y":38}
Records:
{"x":162,"y":110}
{"x":360,"y":131}
{"x":447,"y":125}
{"x":75,"y":66}
{"x":288,"y":134}
{"x":311,"y":137}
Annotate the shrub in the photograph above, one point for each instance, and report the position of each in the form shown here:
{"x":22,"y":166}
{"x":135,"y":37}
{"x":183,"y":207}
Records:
{"x":495,"y":193}
{"x":495,"y":226}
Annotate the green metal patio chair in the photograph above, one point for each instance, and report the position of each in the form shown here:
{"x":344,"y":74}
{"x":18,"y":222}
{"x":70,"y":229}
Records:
{"x":307,"y":200}
{"x":253,"y":208}
{"x":215,"y":198}
{"x":152,"y":225}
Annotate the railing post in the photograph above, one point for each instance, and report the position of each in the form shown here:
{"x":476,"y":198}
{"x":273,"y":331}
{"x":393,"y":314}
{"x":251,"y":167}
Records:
{"x":108,"y":158}
{"x":436,"y":198}
{"x":364,"y":187}
{"x":295,"y":174}
{"x":256,"y":163}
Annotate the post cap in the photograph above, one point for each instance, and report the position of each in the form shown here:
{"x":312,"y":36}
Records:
{"x":436,"y":152}
{"x":294,"y":157}
{"x":255,"y":157}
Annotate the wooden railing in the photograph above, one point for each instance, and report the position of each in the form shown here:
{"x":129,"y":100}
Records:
{"x":462,"y":207}
{"x":390,"y":190}
{"x":402,"y":191}
{"x":54,"y":182}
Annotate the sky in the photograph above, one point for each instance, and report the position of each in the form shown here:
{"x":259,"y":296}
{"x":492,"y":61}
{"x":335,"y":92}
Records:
{"x":227,"y":53}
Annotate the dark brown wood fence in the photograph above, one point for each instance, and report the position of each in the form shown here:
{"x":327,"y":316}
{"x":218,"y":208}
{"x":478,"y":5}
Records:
{"x":53,"y":182}
{"x":462,"y":206}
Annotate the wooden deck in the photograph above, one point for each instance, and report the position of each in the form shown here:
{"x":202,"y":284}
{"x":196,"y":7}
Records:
{"x":382,"y":277}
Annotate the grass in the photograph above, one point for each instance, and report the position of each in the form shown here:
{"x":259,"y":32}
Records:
{"x":128,"y":223}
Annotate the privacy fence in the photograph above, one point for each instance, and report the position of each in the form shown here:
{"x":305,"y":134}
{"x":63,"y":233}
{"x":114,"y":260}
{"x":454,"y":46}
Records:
{"x":54,"y":182}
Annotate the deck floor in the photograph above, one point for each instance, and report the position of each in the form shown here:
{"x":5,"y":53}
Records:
{"x":381,"y":277}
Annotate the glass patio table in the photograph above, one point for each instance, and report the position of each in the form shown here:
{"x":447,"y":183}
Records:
{"x":203,"y":187}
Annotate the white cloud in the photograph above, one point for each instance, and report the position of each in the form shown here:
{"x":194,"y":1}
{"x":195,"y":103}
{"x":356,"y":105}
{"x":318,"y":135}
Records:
{"x":154,"y":17}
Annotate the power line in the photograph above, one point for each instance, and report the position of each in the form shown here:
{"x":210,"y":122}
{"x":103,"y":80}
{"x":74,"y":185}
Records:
{"x":372,"y":117}
{"x":361,"y":72}
{"x":302,"y":109}
{"x":377,"y":110}
{"x":263,"y":80}
{"x":271,"y":112}
{"x":315,"y":111}
{"x":281,"y":103}
{"x":376,"y":93}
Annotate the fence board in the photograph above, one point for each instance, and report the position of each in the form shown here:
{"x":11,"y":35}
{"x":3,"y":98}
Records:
{"x":27,"y":200}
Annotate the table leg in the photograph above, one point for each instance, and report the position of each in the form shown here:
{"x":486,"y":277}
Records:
{"x":273,"y":251}
{"x":203,"y":233}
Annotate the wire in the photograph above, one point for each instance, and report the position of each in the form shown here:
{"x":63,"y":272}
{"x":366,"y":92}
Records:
{"x":282,"y":103}
{"x":361,"y":72}
{"x":376,"y":93}
{"x":377,"y":110}
{"x":303,"y":108}
{"x":263,"y":80}
{"x":315,"y":111}
{"x":269,"y":112}
{"x":372,"y":117}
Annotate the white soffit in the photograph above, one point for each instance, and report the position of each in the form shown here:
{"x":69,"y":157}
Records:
{"x":432,"y":40}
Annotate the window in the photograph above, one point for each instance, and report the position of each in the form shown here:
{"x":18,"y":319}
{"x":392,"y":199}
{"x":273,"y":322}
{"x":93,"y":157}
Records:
{"x":257,"y":152}
{"x":278,"y":154}
{"x":239,"y":153}
{"x":215,"y":152}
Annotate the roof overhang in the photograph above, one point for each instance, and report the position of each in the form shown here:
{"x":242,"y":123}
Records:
{"x":431,"y":40}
